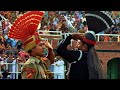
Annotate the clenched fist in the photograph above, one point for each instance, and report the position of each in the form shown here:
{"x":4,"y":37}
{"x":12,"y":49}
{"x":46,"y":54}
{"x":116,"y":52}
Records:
{"x":77,"y":36}
{"x":48,"y":45}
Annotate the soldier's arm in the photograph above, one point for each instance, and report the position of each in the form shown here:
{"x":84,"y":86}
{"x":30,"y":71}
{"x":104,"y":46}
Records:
{"x":69,"y":55}
{"x":51,"y":55}
{"x":28,"y":72}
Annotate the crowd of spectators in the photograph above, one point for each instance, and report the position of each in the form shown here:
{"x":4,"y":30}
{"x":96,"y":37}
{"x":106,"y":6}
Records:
{"x":65,"y":21}
{"x":9,"y":53}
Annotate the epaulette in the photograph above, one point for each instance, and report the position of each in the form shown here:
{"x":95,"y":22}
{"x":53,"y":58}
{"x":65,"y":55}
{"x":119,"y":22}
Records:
{"x":29,"y":61}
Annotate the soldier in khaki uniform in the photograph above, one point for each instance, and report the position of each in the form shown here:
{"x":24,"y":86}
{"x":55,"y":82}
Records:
{"x":35,"y":67}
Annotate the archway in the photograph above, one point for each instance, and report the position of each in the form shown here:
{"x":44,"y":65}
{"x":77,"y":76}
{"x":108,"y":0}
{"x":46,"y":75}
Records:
{"x":113,"y":68}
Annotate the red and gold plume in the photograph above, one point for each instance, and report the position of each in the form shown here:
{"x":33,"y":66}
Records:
{"x":24,"y":28}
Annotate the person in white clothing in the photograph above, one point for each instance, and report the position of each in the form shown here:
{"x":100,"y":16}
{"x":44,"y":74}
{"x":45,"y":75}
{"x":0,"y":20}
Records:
{"x":0,"y":68}
{"x":14,"y":68}
{"x":55,"y":70}
{"x":60,"y":69}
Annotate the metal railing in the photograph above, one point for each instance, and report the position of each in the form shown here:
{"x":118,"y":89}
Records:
{"x":55,"y":34}
{"x":100,"y":37}
{"x":115,"y":36}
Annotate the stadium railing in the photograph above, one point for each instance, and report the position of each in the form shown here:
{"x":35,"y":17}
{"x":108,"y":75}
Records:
{"x":59,"y":35}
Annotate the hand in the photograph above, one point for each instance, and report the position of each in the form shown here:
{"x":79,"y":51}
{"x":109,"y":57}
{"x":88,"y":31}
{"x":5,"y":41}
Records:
{"x":49,"y":74}
{"x":48,"y":45}
{"x":1,"y":75}
{"x":77,"y":36}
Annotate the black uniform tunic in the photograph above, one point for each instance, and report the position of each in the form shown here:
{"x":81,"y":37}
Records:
{"x":78,"y":60}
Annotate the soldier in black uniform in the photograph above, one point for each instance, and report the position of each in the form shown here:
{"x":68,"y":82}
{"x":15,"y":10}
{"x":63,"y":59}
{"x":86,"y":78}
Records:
{"x":84,"y":61}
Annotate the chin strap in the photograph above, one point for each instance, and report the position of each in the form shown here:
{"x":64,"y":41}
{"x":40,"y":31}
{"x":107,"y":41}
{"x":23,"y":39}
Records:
{"x":89,"y":41}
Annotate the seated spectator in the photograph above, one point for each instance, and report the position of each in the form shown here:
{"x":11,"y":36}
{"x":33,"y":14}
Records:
{"x":5,"y":74}
{"x":9,"y":41}
{"x":13,"y":42}
{"x":53,"y":28}
{"x":19,"y":45}
{"x":106,"y":38}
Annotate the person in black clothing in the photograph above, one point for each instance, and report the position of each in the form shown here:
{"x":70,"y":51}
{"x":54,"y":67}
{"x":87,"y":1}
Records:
{"x":84,"y":61}
{"x":5,"y":74}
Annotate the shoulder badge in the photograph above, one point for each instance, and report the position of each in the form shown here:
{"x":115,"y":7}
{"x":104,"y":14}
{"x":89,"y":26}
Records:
{"x":30,"y":61}
{"x":27,"y":62}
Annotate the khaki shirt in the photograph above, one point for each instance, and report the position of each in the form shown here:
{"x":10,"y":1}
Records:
{"x":35,"y":69}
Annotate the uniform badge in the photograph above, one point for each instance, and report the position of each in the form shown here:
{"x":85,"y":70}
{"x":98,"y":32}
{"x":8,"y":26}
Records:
{"x":29,"y":75}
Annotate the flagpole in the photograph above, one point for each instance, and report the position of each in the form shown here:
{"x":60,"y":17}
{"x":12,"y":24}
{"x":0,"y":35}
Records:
{"x":68,"y":21}
{"x":5,"y":20}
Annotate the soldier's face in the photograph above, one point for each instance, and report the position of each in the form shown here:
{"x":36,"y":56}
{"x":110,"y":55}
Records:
{"x":82,"y":46}
{"x":39,"y":49}
{"x":79,"y":44}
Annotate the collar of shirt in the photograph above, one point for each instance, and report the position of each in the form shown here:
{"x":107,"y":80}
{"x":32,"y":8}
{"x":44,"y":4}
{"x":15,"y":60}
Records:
{"x":37,"y":59}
